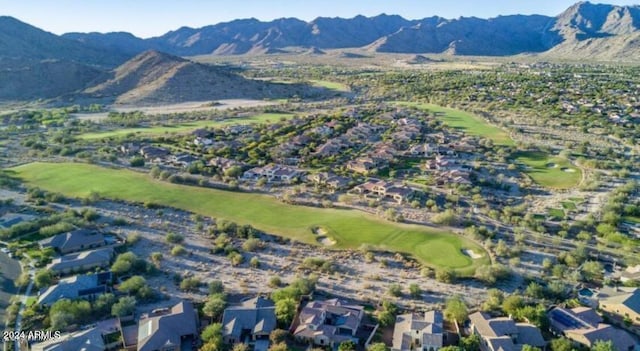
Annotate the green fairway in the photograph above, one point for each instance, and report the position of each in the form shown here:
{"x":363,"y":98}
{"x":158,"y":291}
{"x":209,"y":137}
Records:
{"x":330,"y":85}
{"x":189,"y":126}
{"x":348,"y":228}
{"x":556,"y":213}
{"x":548,"y":171}
{"x":465,"y":122}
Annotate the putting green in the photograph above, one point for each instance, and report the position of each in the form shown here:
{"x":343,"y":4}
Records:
{"x":465,"y":122}
{"x":349,"y":228}
{"x":549,"y":171}
{"x":186,"y":127}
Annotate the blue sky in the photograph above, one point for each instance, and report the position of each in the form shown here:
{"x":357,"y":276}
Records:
{"x":146,"y":18}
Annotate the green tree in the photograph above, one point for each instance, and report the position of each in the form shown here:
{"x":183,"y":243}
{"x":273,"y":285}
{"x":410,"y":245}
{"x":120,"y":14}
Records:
{"x":285,"y":310}
{"x":212,"y":336}
{"x":602,"y":345}
{"x":347,"y":346}
{"x":470,"y":343}
{"x":216,"y":287}
{"x":240,"y":347}
{"x":279,"y":347}
{"x":190,"y":284}
{"x":43,"y":278}
{"x":102,"y":305}
{"x":456,"y":309}
{"x":534,"y":290}
{"x":592,"y":270}
{"x":278,"y":336}
{"x":530,"y":348}
{"x":446,"y":275}
{"x":561,"y":344}
{"x":395,"y":290}
{"x":378,"y":346}
{"x":512,"y":304}
{"x":415,"y":291}
{"x":124,"y":307}
{"x":214,"y":306}
{"x":137,"y":162}
{"x":132,"y":285}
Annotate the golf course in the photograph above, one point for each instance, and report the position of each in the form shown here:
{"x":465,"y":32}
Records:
{"x":345,"y":228}
{"x":188,"y":126}
{"x":549,"y":171}
{"x":465,"y":122}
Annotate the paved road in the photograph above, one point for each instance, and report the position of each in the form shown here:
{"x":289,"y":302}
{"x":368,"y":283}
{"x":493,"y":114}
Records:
{"x":23,"y":304}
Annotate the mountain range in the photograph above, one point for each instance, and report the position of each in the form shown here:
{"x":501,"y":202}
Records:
{"x":35,"y":63}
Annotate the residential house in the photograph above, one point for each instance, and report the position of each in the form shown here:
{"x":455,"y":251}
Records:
{"x":503,"y":333}
{"x":422,"y":150}
{"x":397,"y":192}
{"x":202,"y":141}
{"x":101,"y":336}
{"x":363,"y":165}
{"x":414,"y":332}
{"x":584,"y":326}
{"x":329,"y":180}
{"x":76,"y":240}
{"x":168,"y":329}
{"x":331,"y":148}
{"x":183,"y":160}
{"x":251,"y":320}
{"x":328,"y":323}
{"x":621,"y":302}
{"x":130,"y":148}
{"x":86,"y":340}
{"x":81,"y":261}
{"x":630,"y":274}
{"x":274,"y":173}
{"x":87,"y":287}
{"x":224,"y":164}
{"x":153,"y":153}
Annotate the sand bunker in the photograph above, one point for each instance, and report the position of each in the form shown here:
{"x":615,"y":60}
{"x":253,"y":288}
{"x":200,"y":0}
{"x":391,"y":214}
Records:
{"x":322,"y":237}
{"x":472,"y":254}
{"x":568,"y":170}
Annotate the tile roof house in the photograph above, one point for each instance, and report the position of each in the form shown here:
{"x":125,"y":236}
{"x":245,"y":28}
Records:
{"x":419,"y":332}
{"x":503,"y":333}
{"x":584,"y":326}
{"x":622,"y":302}
{"x":167,"y":329}
{"x":81,"y":261}
{"x":254,"y":318}
{"x":77,"y":240}
{"x":328,"y":323}
{"x":79,"y":286}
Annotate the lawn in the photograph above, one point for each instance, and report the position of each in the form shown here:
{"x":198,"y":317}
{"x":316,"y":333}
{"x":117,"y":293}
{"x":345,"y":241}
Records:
{"x":349,"y":228}
{"x":465,"y":122}
{"x":330,"y":85}
{"x":568,"y":205}
{"x":188,"y":126}
{"x":549,"y":171}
